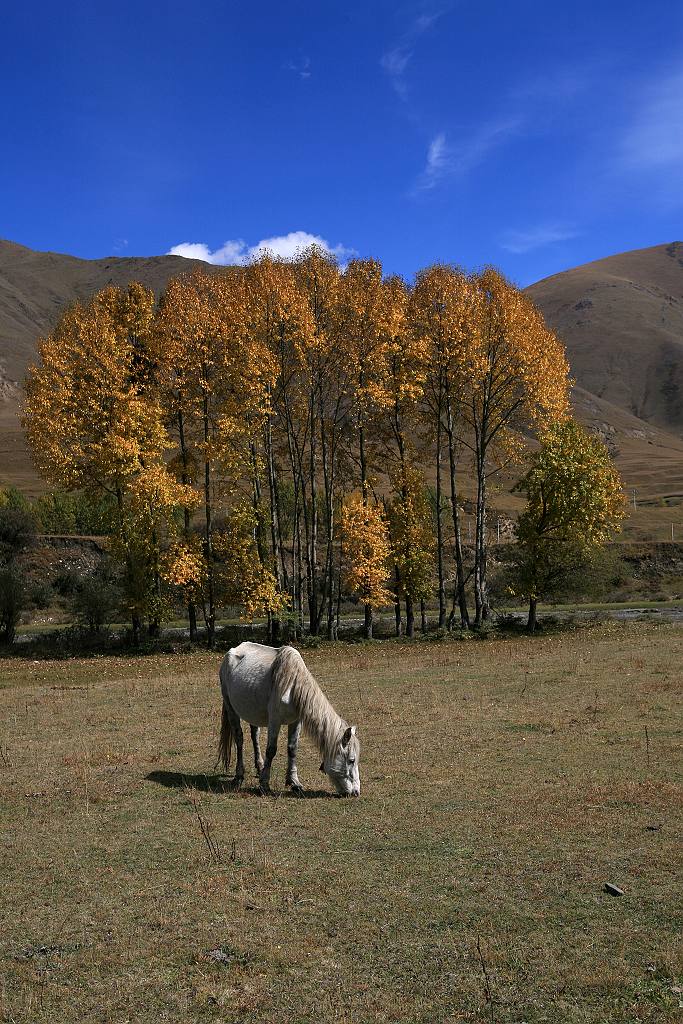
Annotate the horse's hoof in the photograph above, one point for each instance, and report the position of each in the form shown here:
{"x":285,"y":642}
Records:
{"x":296,"y":788}
{"x":235,"y":783}
{"x":265,"y":790}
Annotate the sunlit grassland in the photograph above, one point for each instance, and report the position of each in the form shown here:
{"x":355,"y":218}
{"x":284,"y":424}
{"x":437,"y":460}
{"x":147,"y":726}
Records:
{"x":504,"y":782}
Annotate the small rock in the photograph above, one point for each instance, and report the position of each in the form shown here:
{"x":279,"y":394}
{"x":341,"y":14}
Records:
{"x":652,"y":828}
{"x":613,"y":890}
{"x":219,"y":955}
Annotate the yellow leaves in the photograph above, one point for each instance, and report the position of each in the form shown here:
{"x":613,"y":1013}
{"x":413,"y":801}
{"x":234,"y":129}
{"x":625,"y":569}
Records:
{"x":244,"y":580}
{"x":412,"y":534}
{"x":183,"y":565}
{"x":574,"y":493}
{"x":367,"y":549}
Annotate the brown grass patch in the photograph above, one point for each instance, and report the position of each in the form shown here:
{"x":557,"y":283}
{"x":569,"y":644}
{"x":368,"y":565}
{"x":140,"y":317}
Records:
{"x":504,"y":783}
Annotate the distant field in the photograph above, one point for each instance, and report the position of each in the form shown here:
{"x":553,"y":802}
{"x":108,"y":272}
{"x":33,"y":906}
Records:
{"x":505,"y":782}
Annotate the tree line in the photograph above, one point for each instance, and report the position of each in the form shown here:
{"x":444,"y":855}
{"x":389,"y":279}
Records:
{"x":264,"y":435}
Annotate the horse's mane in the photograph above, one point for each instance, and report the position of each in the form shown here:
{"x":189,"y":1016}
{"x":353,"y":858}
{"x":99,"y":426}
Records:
{"x":292,"y":680}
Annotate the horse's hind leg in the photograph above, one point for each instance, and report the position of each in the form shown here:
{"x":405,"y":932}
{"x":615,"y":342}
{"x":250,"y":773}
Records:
{"x":236,"y":727}
{"x":292,"y":779}
{"x":258,"y":760}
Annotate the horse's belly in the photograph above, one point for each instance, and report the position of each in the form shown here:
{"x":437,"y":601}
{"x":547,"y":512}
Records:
{"x":250,"y":703}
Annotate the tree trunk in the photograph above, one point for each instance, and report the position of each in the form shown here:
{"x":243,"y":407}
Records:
{"x":367,"y":628}
{"x":455,"y":512}
{"x":210,"y":615}
{"x":367,"y":625}
{"x":423,"y":616}
{"x":397,"y":602}
{"x":480,"y":550}
{"x":531,"y":621}
{"x":410,"y":616}
{"x":191,"y":608}
{"x":439,"y":524}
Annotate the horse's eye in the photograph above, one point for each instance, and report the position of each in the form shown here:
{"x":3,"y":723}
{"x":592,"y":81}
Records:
{"x":352,"y":760}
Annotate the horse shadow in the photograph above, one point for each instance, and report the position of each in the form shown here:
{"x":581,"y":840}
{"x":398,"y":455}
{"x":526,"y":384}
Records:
{"x":219,"y":784}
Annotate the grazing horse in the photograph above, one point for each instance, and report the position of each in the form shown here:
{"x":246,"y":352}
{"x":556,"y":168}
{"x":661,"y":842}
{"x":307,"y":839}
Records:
{"x":273,"y":687}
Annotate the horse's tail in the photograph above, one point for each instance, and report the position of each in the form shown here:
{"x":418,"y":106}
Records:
{"x":225,"y":740}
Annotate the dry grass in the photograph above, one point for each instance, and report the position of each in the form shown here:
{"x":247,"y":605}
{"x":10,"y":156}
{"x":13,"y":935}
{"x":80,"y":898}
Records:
{"x":504,"y":783}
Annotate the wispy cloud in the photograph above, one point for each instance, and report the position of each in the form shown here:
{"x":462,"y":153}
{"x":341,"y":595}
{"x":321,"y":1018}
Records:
{"x":438,"y":164}
{"x":394,"y":62}
{"x":654,"y":138}
{"x":237,"y":252}
{"x":520,"y":242}
{"x":302,"y":67}
{"x":452,"y":160}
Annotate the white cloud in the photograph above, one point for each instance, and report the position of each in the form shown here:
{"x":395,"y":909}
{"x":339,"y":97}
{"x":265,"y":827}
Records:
{"x":237,"y":252}
{"x":396,"y":60}
{"x":654,"y":139}
{"x":446,"y":160}
{"x":438,"y":163}
{"x":520,"y":242}
{"x":301,"y":68}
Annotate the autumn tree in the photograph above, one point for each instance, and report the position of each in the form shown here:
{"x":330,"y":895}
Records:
{"x":214,"y":377}
{"x":399,"y":402}
{"x":514,"y":377}
{"x":575,"y":503}
{"x":95,"y":423}
{"x":367,"y":553}
{"x":412,"y":543}
{"x":443,"y":315}
{"x":243,"y":579}
{"x":326,"y":388}
{"x":363,"y":334}
{"x":280,"y":324}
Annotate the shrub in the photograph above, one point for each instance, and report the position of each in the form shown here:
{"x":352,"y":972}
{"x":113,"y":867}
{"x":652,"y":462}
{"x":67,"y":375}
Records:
{"x":17,"y":530}
{"x":12,"y":601}
{"x":96,"y":600}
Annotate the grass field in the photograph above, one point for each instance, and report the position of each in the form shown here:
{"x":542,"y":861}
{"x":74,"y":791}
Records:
{"x":504,"y":783}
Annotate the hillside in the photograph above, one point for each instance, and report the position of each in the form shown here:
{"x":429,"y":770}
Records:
{"x":621,"y":319}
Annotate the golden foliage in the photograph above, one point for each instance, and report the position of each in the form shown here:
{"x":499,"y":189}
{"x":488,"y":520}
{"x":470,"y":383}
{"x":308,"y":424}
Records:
{"x":367,"y":550}
{"x":243,"y":578}
{"x":412,"y":534}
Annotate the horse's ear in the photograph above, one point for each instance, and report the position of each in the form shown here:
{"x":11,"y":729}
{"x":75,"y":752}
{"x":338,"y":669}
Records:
{"x":322,"y":766}
{"x":353,"y":730}
{"x":347,"y":735}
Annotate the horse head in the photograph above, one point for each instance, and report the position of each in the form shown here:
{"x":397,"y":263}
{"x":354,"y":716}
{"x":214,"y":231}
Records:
{"x":342,"y":764}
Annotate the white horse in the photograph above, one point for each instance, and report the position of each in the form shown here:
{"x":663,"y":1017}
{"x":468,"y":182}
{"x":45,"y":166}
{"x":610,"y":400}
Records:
{"x":273,"y":687}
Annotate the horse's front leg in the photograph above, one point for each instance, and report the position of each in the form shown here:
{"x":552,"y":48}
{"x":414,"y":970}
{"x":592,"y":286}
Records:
{"x":258,"y":760}
{"x":292,"y":779}
{"x":271,"y":751}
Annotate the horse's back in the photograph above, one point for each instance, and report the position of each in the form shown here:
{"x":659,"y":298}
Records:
{"x":246,"y":676}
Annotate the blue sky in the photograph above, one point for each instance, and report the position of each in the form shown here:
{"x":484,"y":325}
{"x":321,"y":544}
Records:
{"x":532,"y":135}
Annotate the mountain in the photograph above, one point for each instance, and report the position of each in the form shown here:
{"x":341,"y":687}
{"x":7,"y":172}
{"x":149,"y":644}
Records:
{"x":621,"y":319}
{"x":35,"y":287}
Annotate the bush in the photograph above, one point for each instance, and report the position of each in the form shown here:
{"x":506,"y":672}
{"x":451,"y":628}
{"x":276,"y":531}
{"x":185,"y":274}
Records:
{"x":96,"y":600}
{"x":12,"y":601}
{"x":17,"y":530}
{"x":40,"y":595}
